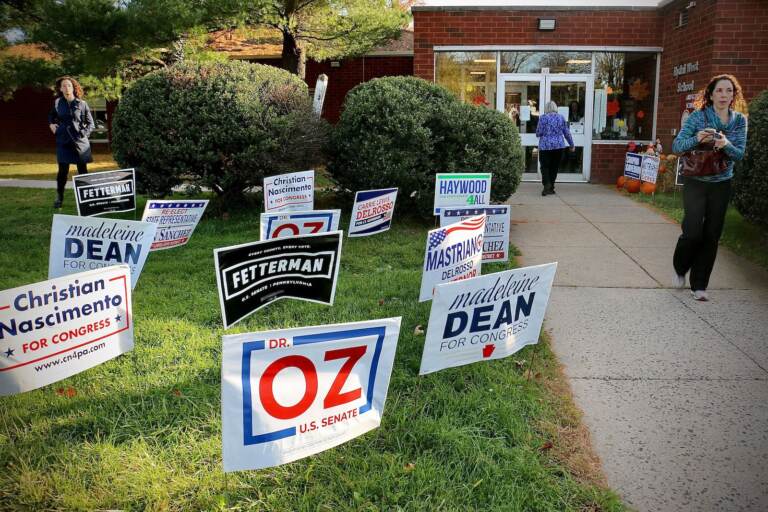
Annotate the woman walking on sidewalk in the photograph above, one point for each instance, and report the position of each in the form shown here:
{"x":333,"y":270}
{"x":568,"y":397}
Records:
{"x":553,"y":133}
{"x":717,"y":119}
{"x":71,"y":121}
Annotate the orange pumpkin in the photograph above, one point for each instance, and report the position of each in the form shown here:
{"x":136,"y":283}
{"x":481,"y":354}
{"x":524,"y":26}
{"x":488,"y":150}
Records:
{"x":621,"y":181}
{"x":648,"y":188}
{"x":633,"y":186}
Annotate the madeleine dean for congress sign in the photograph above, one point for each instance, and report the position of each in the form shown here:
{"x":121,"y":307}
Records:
{"x":453,"y":253}
{"x":83,"y":243}
{"x":496,"y":238}
{"x":289,"y":192}
{"x":488,"y":317}
{"x":464,"y":190}
{"x":105,"y":192}
{"x":290,"y":393}
{"x":176,"y":220}
{"x":250,"y":276}
{"x":281,"y":225}
{"x":57,"y":328}
{"x":372,"y":212}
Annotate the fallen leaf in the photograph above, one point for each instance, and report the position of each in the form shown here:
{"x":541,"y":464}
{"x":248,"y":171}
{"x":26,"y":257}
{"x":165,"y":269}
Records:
{"x":520,"y":362}
{"x":418,"y":331}
{"x":177,"y":392}
{"x":410,"y":466}
{"x":381,"y":302}
{"x":68,"y":392}
{"x":546,"y":446}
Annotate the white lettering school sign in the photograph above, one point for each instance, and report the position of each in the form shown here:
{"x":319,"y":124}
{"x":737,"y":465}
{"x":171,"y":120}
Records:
{"x":372,"y":212}
{"x":487,"y":317}
{"x":633,"y":165}
{"x":176,"y":220}
{"x":464,"y":190}
{"x":58,"y":328}
{"x":281,"y":225}
{"x":496,"y":239}
{"x":85,"y":243}
{"x":650,"y":169}
{"x":289,"y":192}
{"x":290,"y":393}
{"x":452,"y":254}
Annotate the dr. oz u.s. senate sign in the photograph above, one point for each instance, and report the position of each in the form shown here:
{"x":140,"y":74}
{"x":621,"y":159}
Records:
{"x":290,"y":393}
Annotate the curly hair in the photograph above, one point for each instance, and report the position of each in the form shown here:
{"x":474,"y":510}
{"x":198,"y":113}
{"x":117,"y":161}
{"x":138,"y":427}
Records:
{"x":704,"y":97}
{"x":78,"y":89}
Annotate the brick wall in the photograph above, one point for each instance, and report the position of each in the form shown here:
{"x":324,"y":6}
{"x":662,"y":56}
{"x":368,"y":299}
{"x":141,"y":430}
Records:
{"x":607,"y":162}
{"x":508,"y":27}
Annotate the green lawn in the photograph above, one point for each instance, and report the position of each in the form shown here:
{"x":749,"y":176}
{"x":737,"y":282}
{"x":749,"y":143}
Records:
{"x":143,"y":431}
{"x":739,"y":235}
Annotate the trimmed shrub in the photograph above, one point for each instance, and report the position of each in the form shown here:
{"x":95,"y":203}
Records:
{"x":401,"y":131}
{"x":750,"y":194}
{"x":221,"y":125}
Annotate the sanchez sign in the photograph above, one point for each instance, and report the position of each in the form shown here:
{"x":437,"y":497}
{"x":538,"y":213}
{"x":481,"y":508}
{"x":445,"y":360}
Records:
{"x":496,"y":238}
{"x":487,"y":317}
{"x":176,"y":220}
{"x":250,"y":276}
{"x":290,"y":393}
{"x":57,"y":328}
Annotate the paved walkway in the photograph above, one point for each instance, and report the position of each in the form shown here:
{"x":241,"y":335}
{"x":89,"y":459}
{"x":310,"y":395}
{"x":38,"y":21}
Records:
{"x":674,"y":391}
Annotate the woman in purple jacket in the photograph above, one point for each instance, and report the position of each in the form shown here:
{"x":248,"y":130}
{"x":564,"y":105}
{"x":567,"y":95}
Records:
{"x":553,"y":133}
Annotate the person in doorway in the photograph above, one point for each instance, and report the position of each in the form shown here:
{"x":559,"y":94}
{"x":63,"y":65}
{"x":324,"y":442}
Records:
{"x":553,"y":133}
{"x":71,"y":121}
{"x":717,"y":118}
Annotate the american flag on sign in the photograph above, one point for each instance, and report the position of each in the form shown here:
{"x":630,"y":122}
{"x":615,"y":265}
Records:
{"x":436,"y":238}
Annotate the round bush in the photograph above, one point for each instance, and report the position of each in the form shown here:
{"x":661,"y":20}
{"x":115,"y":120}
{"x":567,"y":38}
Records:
{"x":750,"y":194}
{"x":401,"y":131}
{"x":221,"y":125}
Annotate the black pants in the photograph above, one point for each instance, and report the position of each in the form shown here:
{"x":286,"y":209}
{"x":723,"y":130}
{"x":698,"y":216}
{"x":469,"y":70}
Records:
{"x":705,"y":205}
{"x":549,"y":160}
{"x":61,"y":177}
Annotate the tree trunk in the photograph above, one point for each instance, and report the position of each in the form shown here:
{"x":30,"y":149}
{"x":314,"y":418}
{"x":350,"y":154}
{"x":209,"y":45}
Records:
{"x":291,"y":57}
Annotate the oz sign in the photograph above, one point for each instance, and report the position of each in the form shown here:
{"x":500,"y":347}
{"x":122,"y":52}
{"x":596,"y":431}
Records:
{"x":281,"y":225}
{"x":292,"y":393}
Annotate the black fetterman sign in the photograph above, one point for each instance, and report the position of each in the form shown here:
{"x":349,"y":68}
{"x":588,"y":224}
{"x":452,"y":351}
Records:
{"x":105,"y":192}
{"x":250,"y":276}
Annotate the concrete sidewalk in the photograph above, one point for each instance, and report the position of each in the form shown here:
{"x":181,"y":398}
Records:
{"x":674,"y":391}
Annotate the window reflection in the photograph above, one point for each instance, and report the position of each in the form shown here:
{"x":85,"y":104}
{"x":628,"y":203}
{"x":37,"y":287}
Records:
{"x":557,"y":62}
{"x":469,"y":75}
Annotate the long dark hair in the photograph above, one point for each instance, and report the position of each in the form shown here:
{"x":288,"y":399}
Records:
{"x":704,"y":98}
{"x":77,"y":88}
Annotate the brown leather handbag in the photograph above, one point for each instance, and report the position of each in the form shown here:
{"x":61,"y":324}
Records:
{"x":703,"y":160}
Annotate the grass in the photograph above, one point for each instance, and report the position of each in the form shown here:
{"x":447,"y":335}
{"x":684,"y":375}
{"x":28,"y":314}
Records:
{"x":742,"y":237}
{"x":42,"y":166}
{"x":143,"y":431}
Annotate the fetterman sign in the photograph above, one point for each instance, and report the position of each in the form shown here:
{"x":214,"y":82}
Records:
{"x":252,"y":275}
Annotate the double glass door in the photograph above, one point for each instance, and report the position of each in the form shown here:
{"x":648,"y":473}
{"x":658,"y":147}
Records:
{"x":523,"y":100}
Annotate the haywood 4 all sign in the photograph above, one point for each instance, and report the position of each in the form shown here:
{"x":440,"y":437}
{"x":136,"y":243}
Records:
{"x":290,"y":393}
{"x":465,"y":190}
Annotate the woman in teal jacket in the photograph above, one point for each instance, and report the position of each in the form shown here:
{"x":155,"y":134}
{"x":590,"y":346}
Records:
{"x":705,"y":198}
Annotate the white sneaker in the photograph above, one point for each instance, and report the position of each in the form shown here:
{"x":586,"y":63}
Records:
{"x":700,"y":295}
{"x":678,"y":281}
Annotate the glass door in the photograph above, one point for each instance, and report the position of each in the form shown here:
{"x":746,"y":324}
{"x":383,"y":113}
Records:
{"x":523,"y":99}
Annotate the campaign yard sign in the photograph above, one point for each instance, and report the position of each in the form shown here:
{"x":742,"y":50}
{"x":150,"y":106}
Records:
{"x":650,"y":168}
{"x":289,"y":192}
{"x":372,"y":212}
{"x":58,"y":328}
{"x":281,"y":225}
{"x":176,"y":220}
{"x":496,"y":239}
{"x":83,"y":243}
{"x":465,"y":190}
{"x":105,"y":192}
{"x":633,"y":165}
{"x":290,"y":393}
{"x":488,"y":317}
{"x":250,"y":276}
{"x":453,"y":253}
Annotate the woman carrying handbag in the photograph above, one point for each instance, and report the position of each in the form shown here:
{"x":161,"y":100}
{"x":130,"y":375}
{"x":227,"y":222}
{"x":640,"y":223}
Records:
{"x":713,"y":138}
{"x":71,"y":121}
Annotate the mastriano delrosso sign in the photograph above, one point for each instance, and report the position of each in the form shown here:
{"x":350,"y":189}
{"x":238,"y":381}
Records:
{"x":290,"y":393}
{"x":57,"y":328}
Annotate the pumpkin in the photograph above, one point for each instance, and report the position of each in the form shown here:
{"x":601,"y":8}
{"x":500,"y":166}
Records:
{"x":621,"y":181}
{"x":648,"y":188}
{"x":633,"y":186}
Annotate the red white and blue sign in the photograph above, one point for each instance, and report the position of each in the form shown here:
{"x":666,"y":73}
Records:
{"x":290,"y":393}
{"x":281,"y":225}
{"x":176,"y":221}
{"x":453,"y":253}
{"x":372,"y":212}
{"x":633,"y":165}
{"x":496,"y":241}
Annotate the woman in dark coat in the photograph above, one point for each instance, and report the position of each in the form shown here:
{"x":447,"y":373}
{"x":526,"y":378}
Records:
{"x":71,"y":121}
